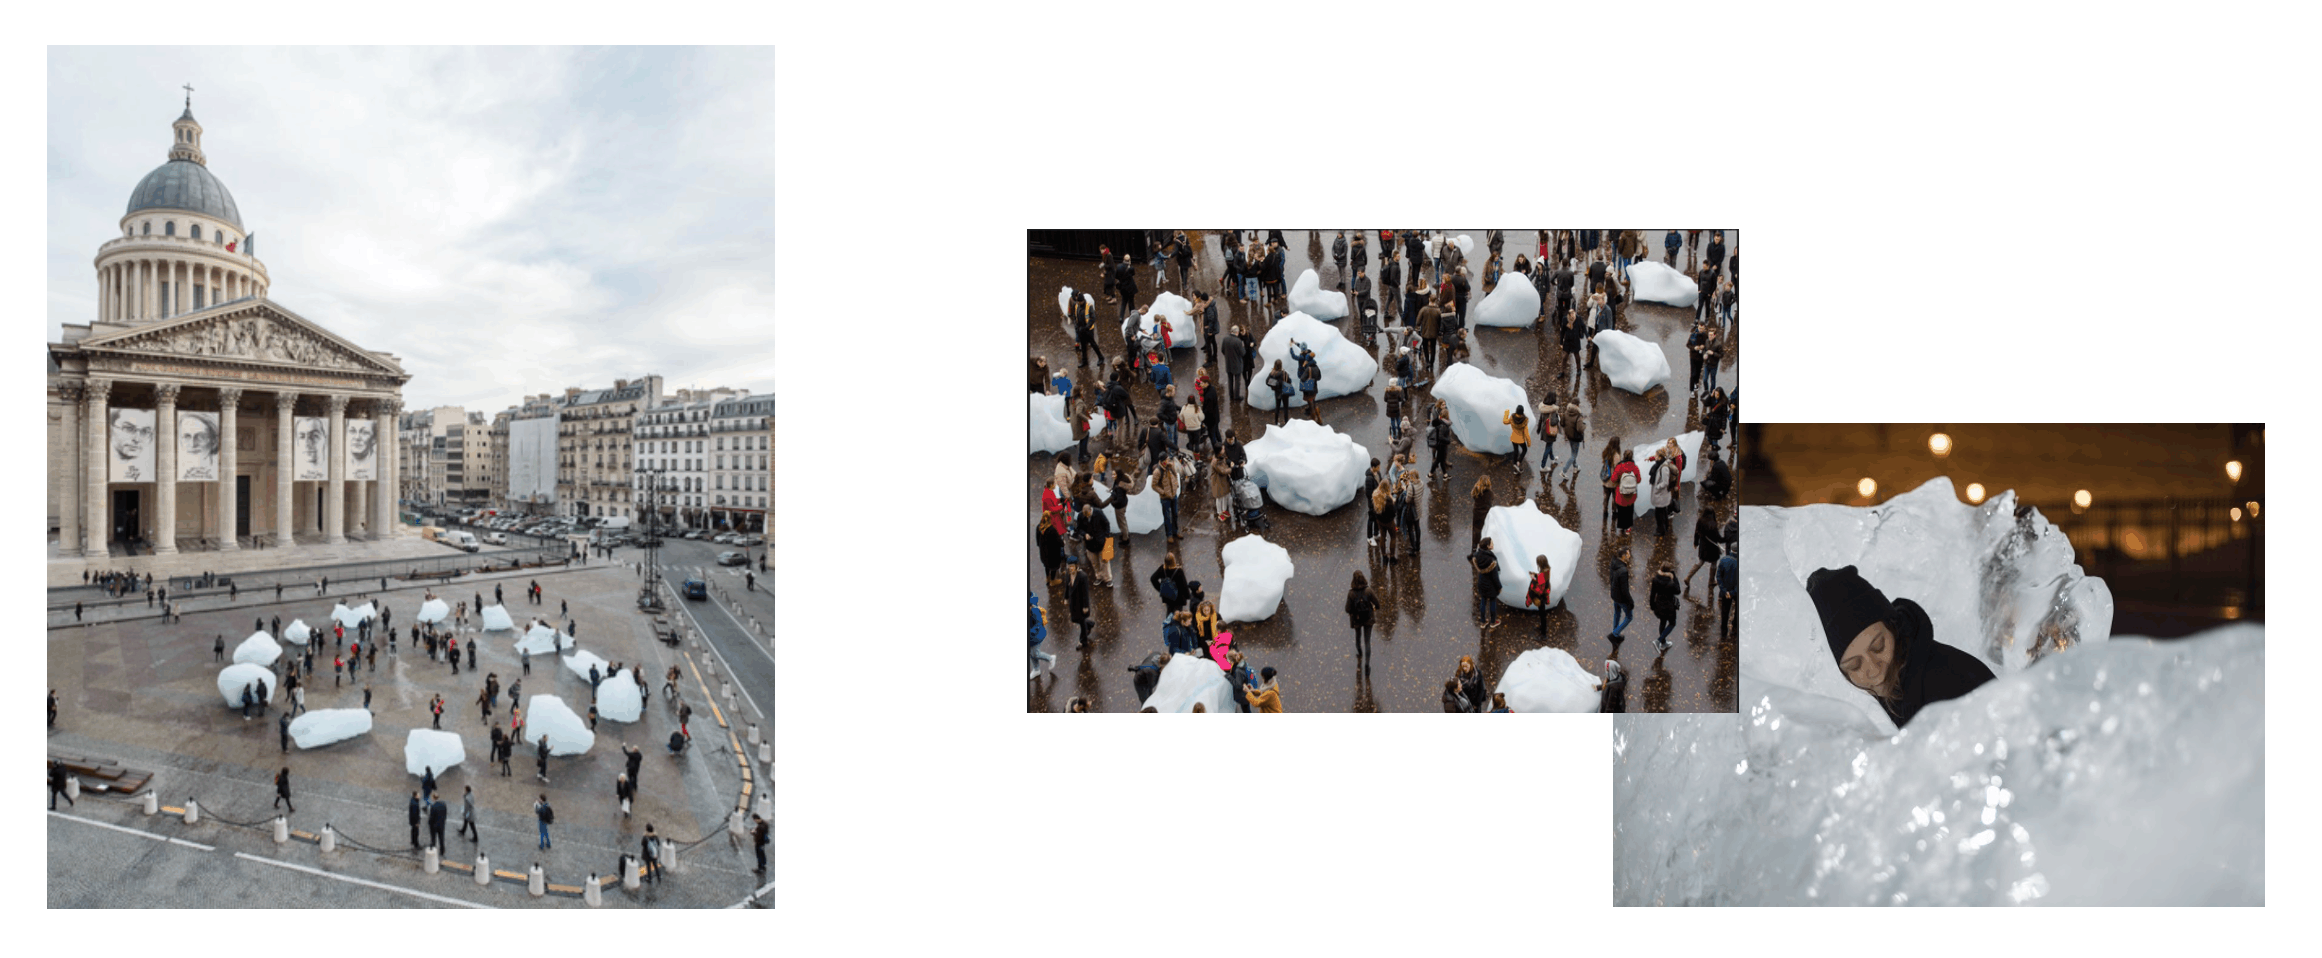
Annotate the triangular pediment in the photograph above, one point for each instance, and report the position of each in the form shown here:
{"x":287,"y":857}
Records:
{"x":257,"y":331}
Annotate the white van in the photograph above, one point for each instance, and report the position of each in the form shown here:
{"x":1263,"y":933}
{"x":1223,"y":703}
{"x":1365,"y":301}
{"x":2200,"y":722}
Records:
{"x":466,"y":541}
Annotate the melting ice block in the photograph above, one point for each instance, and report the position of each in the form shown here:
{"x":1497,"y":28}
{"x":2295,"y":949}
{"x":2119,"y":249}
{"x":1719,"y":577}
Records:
{"x":1549,"y":680}
{"x":434,"y":610}
{"x":1651,"y":282}
{"x":1307,"y":296}
{"x":258,"y":649}
{"x":1050,"y":431}
{"x":1513,"y":302}
{"x":233,"y":677}
{"x":1347,"y":368}
{"x":567,"y":733}
{"x":1689,"y":442}
{"x":1520,"y":535}
{"x":542,"y":640}
{"x":1465,"y":243}
{"x":496,"y":618}
{"x":619,"y":699}
{"x":320,"y":727}
{"x":426,"y":748}
{"x":1184,"y":333}
{"x":1144,"y":511}
{"x":1188,"y":679}
{"x":296,"y":633}
{"x":1477,"y":401}
{"x":578,"y":664}
{"x":1307,"y":467}
{"x":353,"y":618}
{"x":1064,"y":307}
{"x":1256,"y":571}
{"x":1631,"y":363}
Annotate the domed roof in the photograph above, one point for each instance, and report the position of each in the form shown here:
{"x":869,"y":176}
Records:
{"x":185,"y":185}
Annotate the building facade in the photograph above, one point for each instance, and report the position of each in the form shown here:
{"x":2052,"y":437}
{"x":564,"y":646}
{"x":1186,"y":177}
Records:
{"x":741,"y":455}
{"x":673,"y":456}
{"x":595,"y":447}
{"x":193,"y":411}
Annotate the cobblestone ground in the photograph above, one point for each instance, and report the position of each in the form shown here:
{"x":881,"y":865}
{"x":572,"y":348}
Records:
{"x":144,"y":694}
{"x":1426,"y":620}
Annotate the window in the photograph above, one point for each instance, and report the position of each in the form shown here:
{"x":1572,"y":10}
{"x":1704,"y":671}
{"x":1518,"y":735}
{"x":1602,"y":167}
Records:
{"x":197,"y":231}
{"x":148,"y":227}
{"x":169,"y":228}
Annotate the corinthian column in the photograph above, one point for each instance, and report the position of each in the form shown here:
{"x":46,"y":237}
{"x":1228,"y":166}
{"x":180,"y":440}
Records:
{"x":335,"y":500}
{"x":165,"y":469}
{"x":96,"y":529}
{"x":285,"y":409}
{"x":229,"y":445}
{"x":69,"y":492}
{"x":385,"y":445}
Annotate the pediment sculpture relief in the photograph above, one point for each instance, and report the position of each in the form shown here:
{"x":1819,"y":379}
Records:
{"x":249,"y":337}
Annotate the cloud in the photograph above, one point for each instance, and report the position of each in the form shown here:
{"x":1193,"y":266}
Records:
{"x":506,"y":221}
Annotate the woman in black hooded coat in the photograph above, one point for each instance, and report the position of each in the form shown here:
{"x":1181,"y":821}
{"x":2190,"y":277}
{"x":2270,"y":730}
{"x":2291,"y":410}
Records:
{"x":1888,"y":648}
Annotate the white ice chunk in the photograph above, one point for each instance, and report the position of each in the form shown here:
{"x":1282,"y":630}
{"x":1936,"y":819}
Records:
{"x":1050,"y":431}
{"x":1477,"y":401}
{"x":1630,"y":363}
{"x":1689,"y":442}
{"x":578,"y":664}
{"x":233,"y":677}
{"x":320,"y":727}
{"x":1184,"y":333}
{"x":1549,"y":680}
{"x":353,"y":618}
{"x":619,"y":699}
{"x":1513,"y":302}
{"x":496,"y":618}
{"x":1144,"y":511}
{"x":1064,"y":307}
{"x":426,"y":748}
{"x":1188,"y":679}
{"x":1307,"y":467}
{"x":1465,"y":243}
{"x":258,"y":649}
{"x":542,"y":640}
{"x":1307,"y":296}
{"x":296,"y":633}
{"x":567,"y":732}
{"x":1651,"y":282}
{"x":1256,"y":572}
{"x":1347,"y":368}
{"x":434,"y":610}
{"x":1520,"y":536}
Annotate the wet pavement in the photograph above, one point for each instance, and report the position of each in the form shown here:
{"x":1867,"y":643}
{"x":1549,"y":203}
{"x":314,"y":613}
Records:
{"x":1426,"y":619}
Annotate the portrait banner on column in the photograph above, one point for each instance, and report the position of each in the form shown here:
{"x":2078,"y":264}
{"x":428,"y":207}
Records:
{"x":197,"y":446}
{"x":310,"y":449}
{"x":362,"y":449}
{"x":130,"y":433}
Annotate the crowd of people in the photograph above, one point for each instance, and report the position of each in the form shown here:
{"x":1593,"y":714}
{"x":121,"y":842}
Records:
{"x":1184,"y":436}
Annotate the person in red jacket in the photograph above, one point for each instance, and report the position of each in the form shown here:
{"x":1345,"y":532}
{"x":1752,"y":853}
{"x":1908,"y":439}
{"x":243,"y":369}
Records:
{"x":1625,"y":482}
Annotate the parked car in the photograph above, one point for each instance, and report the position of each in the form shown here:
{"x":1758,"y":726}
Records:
{"x":496,"y":539}
{"x":695,"y":589}
{"x":733,"y":558}
{"x":753,"y":541}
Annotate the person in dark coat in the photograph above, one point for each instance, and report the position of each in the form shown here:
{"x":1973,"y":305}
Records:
{"x":1663,"y":598}
{"x":1624,"y":605}
{"x":1614,"y":696}
{"x":1483,"y":508}
{"x":1051,"y":548}
{"x":1888,"y":648}
{"x":1471,"y":684}
{"x":1169,"y":582}
{"x":437,"y":814}
{"x":1361,"y":605}
{"x":1709,"y":541}
{"x":285,"y":731}
{"x":282,"y":790}
{"x":57,"y":774}
{"x":1076,"y":598}
{"x":1453,"y":700}
{"x":416,"y":813}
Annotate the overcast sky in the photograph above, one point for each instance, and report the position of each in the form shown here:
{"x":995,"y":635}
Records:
{"x":506,"y":221}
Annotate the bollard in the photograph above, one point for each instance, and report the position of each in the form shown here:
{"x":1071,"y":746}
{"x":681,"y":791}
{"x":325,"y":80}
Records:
{"x":629,"y":878}
{"x":592,"y":893}
{"x":483,"y":869}
{"x":152,"y":803}
{"x":193,"y":812}
{"x":434,"y":859}
{"x":281,"y":829}
{"x":753,"y":733}
{"x":766,"y":798}
{"x":766,"y":752}
{"x":711,"y":664}
{"x":539,"y":881}
{"x":72,"y":786}
{"x":330,"y":839}
{"x":669,"y":856}
{"x":729,"y":696}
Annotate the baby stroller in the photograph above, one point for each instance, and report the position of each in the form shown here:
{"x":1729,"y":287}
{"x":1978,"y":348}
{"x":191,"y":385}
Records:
{"x":1249,"y":504}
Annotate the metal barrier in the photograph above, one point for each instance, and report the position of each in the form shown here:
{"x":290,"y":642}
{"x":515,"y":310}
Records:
{"x":352,"y":573}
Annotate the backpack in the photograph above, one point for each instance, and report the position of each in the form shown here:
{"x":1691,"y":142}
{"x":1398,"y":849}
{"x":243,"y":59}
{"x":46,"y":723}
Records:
{"x":1168,"y":589}
{"x":1438,"y":433}
{"x":1537,"y":595}
{"x":547,"y":814}
{"x":1548,"y":426}
{"x":1629,"y":483}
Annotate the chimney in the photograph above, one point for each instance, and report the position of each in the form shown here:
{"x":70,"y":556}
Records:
{"x":620,"y":384}
{"x":571,"y":391}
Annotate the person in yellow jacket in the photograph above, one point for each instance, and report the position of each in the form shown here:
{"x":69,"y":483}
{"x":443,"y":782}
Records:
{"x":1267,"y":697}
{"x":1519,"y":429}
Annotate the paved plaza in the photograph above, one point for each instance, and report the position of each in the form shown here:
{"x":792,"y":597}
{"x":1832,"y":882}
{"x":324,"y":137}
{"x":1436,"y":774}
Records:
{"x":142,"y":693}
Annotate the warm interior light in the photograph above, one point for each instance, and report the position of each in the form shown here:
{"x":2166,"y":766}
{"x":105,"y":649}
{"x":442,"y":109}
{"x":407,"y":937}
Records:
{"x":1939,"y":444}
{"x":2080,"y":498}
{"x":1868,"y":487}
{"x":2253,"y":508}
{"x":2233,"y":470}
{"x":2235,"y":512}
{"x":1975,"y":492}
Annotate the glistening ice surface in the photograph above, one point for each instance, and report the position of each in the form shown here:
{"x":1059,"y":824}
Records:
{"x":2088,"y":772}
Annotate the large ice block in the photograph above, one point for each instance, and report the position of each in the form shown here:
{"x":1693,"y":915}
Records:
{"x":1548,"y":680}
{"x":1184,"y":332}
{"x":1307,"y":467}
{"x":1477,"y":401}
{"x":1050,"y":432}
{"x":567,"y":732}
{"x":496,"y":618}
{"x":619,"y":699}
{"x":1511,"y":303}
{"x":233,"y":677}
{"x":296,"y":633}
{"x":1064,"y":296}
{"x":426,"y":748}
{"x":1630,"y":363}
{"x":320,"y":727}
{"x":1520,"y":535}
{"x":1307,"y":296}
{"x":258,"y":649}
{"x":1465,"y":243}
{"x":351,"y":618}
{"x":1188,"y":679}
{"x":434,"y":610}
{"x":1689,"y":442}
{"x":1256,"y":573}
{"x":1651,"y":282}
{"x":1347,"y":368}
{"x":543,"y":640}
{"x":1144,"y":512}
{"x":578,"y":664}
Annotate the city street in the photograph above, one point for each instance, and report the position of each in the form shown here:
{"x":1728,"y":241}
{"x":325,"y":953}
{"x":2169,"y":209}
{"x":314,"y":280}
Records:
{"x":1426,"y":619}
